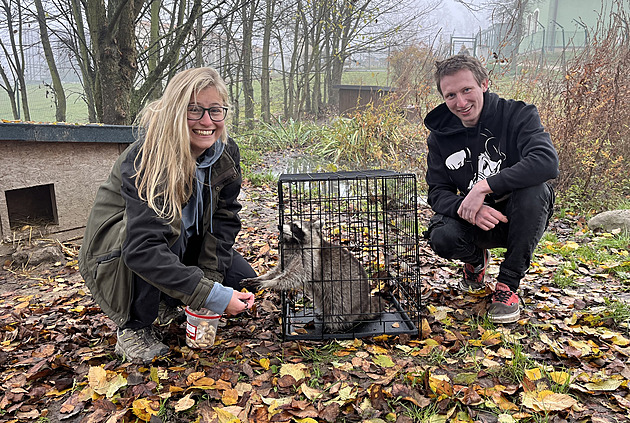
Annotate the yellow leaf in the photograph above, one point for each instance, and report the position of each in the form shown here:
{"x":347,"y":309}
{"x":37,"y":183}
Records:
{"x":274,"y":403}
{"x":264,"y":363}
{"x":306,"y":420}
{"x":229,"y":397}
{"x":57,"y":393}
{"x":603,"y":385}
{"x":441,"y":385}
{"x":310,"y":393}
{"x":615,"y":338}
{"x":114,"y":384}
{"x":298,"y":371}
{"x":97,"y":379}
{"x":547,"y":401}
{"x":376,"y":349}
{"x":426,"y":328}
{"x":184,"y":403}
{"x":143,"y":408}
{"x":570,"y":246}
{"x":225,"y":416}
{"x":153,"y":375}
{"x":584,"y":347}
{"x":560,"y":378}
{"x":491,"y":337}
{"x":503,"y":403}
{"x":533,"y":374}
{"x":571,"y":320}
{"x":24,"y":299}
{"x":383,"y":361}
{"x":346,"y":393}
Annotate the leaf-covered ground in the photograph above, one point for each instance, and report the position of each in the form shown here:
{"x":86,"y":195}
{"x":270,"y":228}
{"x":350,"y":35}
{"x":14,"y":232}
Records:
{"x":567,"y":359}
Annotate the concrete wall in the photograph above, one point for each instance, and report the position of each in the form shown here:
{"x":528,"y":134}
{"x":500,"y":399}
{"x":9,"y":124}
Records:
{"x":73,"y":160}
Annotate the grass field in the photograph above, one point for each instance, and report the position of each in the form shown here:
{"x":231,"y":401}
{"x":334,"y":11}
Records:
{"x":42,"y":105}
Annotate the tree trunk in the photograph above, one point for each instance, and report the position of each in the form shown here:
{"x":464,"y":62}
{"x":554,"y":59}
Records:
{"x":16,"y":58}
{"x":60,"y":95}
{"x":304,"y":103}
{"x":248,"y":9}
{"x":265,"y":97}
{"x":83,"y":57}
{"x":154,"y":39}
{"x":169,"y":58}
{"x":11,"y":93}
{"x":293,"y":70}
{"x":228,"y":73}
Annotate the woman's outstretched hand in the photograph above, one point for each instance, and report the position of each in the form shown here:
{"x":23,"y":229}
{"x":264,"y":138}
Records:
{"x":239,"y":302}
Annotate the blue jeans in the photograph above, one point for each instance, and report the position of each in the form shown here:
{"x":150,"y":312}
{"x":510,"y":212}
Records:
{"x":528,"y":211}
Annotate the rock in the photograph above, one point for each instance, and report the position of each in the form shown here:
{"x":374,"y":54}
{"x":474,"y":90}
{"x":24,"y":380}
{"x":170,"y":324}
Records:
{"x":36,"y":256}
{"x":610,"y":220}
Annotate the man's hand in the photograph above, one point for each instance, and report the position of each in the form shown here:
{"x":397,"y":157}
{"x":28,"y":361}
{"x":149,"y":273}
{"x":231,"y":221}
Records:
{"x":474,"y":211}
{"x":473,"y":201}
{"x":487,"y":218}
{"x":239,"y":302}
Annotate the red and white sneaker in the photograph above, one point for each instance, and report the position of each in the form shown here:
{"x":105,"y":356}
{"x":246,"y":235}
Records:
{"x":504,"y":307}
{"x":474,"y":281}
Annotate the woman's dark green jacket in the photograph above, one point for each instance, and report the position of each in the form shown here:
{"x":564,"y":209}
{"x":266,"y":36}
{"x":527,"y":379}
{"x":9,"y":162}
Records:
{"x":124,"y":236}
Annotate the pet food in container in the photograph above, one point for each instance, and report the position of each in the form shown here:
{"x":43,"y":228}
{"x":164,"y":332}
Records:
{"x":201,"y":327}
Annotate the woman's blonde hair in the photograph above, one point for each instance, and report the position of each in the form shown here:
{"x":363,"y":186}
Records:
{"x":165,"y":167}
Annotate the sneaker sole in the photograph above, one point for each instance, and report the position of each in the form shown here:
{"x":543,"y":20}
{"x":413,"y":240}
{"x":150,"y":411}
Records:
{"x":126,"y":358}
{"x":120,"y":353}
{"x":468,"y":290}
{"x":505,"y":318}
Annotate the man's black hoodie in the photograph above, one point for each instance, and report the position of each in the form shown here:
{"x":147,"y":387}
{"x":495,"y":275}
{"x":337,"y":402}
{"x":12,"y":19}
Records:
{"x":509,"y":147}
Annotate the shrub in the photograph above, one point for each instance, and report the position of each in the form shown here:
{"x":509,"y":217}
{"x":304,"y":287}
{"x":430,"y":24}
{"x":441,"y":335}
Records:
{"x":588,"y":119}
{"x":376,"y":136}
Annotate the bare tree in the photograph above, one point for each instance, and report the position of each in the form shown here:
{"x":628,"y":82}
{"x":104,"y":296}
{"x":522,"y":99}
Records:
{"x":265,"y":77}
{"x":368,"y":25}
{"x":248,"y":11}
{"x":126,"y":51}
{"x":58,"y":91}
{"x":14,"y":53}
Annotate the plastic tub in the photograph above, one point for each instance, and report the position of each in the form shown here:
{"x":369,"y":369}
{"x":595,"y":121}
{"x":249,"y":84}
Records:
{"x":201,"y":327}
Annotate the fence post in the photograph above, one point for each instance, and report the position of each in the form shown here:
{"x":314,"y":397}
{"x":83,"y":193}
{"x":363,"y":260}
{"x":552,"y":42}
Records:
{"x":564,"y":67}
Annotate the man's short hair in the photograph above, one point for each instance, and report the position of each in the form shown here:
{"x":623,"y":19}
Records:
{"x":456,"y":63}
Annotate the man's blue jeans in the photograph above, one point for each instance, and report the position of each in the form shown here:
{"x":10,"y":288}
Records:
{"x":528,"y":211}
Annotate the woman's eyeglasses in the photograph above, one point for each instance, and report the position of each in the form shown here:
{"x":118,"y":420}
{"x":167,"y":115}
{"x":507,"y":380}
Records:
{"x":216,"y":113}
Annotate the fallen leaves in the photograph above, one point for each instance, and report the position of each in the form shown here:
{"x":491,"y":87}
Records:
{"x":571,"y":361}
{"x":547,"y":401}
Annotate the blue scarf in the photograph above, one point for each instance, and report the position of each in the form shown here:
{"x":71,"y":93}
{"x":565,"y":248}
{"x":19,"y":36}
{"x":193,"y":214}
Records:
{"x":192,"y":213}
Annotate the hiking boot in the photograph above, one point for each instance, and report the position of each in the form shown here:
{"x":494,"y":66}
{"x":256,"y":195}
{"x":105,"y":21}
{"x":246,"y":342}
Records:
{"x":474,"y":277}
{"x":504,"y":307}
{"x":168,"y":314}
{"x":139,"y":345}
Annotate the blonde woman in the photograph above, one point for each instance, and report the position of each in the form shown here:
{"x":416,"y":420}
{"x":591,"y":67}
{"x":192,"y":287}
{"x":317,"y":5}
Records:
{"x":162,"y":228}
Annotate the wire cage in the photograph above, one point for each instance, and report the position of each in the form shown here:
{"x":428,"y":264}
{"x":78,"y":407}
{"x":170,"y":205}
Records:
{"x":349,"y":241}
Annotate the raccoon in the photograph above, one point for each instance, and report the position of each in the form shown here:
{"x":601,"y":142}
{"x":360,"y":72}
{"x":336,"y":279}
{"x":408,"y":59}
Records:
{"x":330,"y":274}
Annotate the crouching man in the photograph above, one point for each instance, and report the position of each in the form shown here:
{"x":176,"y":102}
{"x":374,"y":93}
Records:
{"x":489,"y":160}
